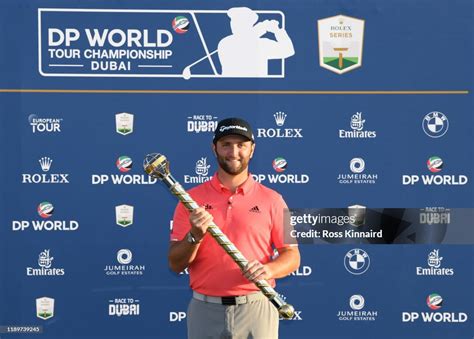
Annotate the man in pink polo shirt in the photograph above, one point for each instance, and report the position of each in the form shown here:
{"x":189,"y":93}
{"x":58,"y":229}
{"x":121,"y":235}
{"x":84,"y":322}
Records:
{"x":226,"y":303}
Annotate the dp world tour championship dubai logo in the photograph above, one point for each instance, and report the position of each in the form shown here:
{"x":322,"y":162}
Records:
{"x":234,"y":43}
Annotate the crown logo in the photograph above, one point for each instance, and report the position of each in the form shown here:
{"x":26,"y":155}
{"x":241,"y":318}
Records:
{"x":280,"y":118}
{"x":45,"y":163}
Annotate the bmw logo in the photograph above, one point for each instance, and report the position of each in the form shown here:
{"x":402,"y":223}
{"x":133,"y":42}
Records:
{"x":435,"y":124}
{"x":356,"y":261}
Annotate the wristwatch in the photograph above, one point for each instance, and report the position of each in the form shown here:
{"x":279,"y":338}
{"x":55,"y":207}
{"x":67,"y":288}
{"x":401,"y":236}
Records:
{"x":191,"y":239}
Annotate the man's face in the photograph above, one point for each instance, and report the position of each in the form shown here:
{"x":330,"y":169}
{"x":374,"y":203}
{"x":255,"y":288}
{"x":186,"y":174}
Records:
{"x":233,"y":153}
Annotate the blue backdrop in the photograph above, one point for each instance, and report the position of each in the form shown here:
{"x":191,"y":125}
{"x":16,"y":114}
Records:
{"x":64,"y":110}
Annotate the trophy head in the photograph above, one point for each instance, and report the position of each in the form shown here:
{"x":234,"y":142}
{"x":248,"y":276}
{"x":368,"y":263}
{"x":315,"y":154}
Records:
{"x":156,"y":165}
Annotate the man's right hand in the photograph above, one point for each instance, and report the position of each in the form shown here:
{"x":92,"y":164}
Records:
{"x":200,"y":220}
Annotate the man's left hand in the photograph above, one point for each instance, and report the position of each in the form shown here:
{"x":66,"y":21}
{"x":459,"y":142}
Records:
{"x":255,"y":271}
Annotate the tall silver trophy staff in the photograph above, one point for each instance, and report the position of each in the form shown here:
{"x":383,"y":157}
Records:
{"x":157,"y":166}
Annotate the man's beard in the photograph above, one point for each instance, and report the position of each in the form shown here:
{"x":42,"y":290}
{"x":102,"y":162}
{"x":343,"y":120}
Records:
{"x":244,"y":163}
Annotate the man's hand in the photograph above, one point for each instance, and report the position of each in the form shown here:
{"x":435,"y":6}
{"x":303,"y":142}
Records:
{"x":255,"y":271}
{"x":200,"y":220}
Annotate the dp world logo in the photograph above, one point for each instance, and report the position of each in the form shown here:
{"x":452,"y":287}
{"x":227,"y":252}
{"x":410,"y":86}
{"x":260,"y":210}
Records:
{"x":435,"y":164}
{"x":45,"y":209}
{"x":357,"y":261}
{"x":434,"y":301}
{"x":124,"y":163}
{"x":279,"y":164}
{"x":180,"y":24}
{"x":435,"y":124}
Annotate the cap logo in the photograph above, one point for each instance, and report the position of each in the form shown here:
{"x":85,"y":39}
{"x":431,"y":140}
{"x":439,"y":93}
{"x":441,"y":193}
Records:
{"x":225,"y":128}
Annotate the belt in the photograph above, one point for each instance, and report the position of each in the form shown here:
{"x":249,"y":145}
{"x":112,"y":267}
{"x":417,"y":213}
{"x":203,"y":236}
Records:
{"x":237,"y":300}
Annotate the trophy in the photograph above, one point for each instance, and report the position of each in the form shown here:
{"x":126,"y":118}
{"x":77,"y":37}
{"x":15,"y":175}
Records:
{"x":157,"y":166}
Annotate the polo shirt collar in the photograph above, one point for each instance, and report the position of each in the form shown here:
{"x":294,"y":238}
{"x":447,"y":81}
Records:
{"x":244,"y":188}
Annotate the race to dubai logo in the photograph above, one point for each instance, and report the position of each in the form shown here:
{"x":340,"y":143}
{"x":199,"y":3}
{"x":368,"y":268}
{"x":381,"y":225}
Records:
{"x":244,"y":43}
{"x":120,"y":307}
{"x":124,"y":215}
{"x":435,"y":216}
{"x":341,"y":41}
{"x":200,"y":123}
{"x":435,"y":124}
{"x":124,"y":123}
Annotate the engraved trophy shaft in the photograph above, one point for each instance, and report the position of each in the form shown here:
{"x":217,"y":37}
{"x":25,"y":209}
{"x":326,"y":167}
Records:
{"x":157,"y":166}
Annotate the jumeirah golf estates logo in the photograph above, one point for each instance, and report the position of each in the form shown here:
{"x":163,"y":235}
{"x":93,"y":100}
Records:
{"x":341,"y":40}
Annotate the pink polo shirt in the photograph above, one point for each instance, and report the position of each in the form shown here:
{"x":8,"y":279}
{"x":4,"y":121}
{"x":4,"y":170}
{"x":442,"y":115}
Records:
{"x":252,"y":218}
